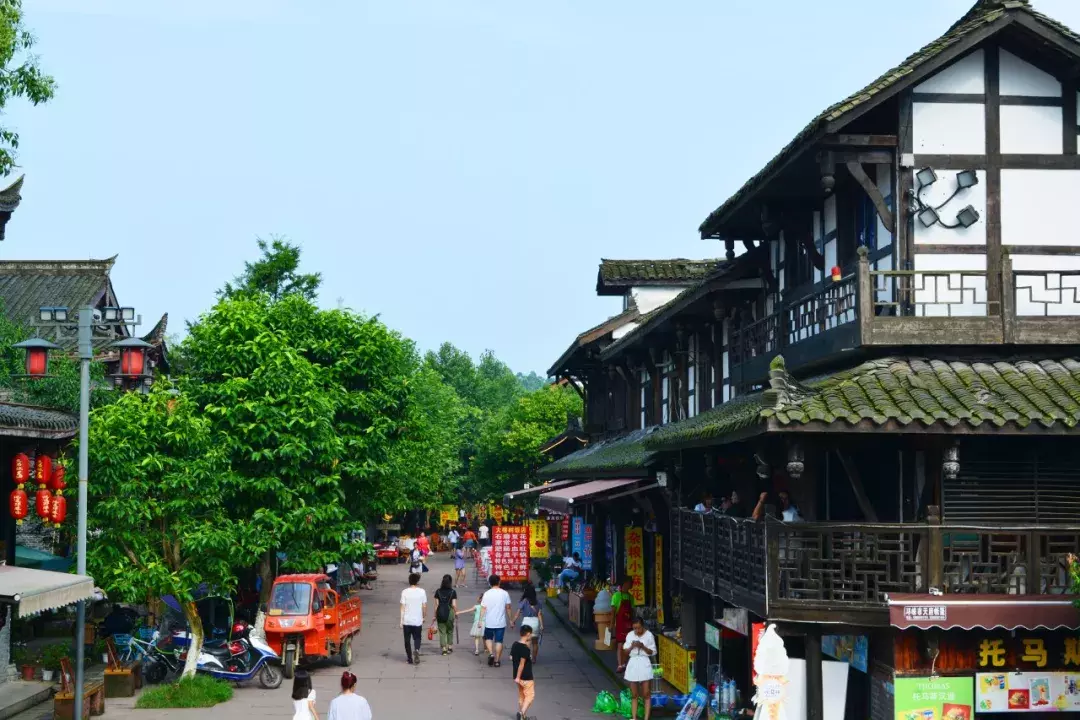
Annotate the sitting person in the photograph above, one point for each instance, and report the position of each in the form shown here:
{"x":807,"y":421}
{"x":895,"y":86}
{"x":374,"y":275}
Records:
{"x":571,"y":569}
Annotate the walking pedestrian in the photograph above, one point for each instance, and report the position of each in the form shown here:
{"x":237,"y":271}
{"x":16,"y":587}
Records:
{"x":348,"y":705}
{"x":459,"y":565}
{"x":494,"y":612}
{"x":640,"y":646}
{"x":476,"y":631}
{"x":485,"y":535}
{"x":424,"y":544}
{"x":416,"y":561}
{"x":303,"y":697}
{"x":521,"y":658}
{"x":531,"y":615}
{"x":452,"y":538}
{"x":413,"y":612}
{"x":445,"y":613}
{"x":470,"y":542}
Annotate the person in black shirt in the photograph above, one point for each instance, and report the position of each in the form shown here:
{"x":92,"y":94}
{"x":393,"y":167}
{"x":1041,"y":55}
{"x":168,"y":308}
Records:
{"x":521,"y":659}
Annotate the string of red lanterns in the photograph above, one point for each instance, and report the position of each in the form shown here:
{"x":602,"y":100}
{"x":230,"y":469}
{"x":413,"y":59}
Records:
{"x":51,"y":509}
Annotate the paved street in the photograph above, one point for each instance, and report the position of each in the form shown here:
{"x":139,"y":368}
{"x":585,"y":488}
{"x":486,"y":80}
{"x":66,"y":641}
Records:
{"x":458,"y":686}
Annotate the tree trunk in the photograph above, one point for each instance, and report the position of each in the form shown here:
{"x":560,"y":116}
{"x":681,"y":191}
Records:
{"x":266,"y":572}
{"x":191,"y":613}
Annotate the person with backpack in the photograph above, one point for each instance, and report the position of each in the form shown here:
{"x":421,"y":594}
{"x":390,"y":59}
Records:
{"x":446,"y":613}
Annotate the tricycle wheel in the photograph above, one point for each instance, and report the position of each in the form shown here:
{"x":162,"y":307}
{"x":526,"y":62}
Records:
{"x":288,"y":663}
{"x":345,"y":656}
{"x":270,"y":677}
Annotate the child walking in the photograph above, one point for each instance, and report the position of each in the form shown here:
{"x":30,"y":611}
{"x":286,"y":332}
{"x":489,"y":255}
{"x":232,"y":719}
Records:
{"x":476,"y":632}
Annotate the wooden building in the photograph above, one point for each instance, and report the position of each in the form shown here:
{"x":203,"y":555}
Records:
{"x":895,"y":353}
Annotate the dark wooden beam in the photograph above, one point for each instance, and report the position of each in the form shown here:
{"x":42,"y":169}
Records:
{"x":993,"y":174}
{"x":816,"y":257}
{"x":905,"y":229}
{"x":866,"y":157}
{"x":1068,"y":117}
{"x":1005,"y":162}
{"x":855,"y":479}
{"x":930,"y":249}
{"x":570,"y":381}
{"x":815,"y":696}
{"x":846,"y":140}
{"x":872,"y":191}
{"x":980,"y":98}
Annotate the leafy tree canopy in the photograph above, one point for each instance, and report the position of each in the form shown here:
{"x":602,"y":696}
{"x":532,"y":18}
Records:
{"x":531,"y":382}
{"x":20,"y":75}
{"x":276,"y":273}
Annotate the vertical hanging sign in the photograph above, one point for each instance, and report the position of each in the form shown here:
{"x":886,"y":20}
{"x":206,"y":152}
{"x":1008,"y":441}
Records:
{"x":635,"y":563}
{"x":609,"y":550}
{"x":510,"y":552}
{"x":538,"y":538}
{"x":658,"y":581}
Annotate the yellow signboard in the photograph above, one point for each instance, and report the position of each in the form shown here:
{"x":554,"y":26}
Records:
{"x":635,"y":563}
{"x":538,"y":538}
{"x":658,"y":581}
{"x":448,"y":514}
{"x":497,"y":513}
{"x":480,"y":512}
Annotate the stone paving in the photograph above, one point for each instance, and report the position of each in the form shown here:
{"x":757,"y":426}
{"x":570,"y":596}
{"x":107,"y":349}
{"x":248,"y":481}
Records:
{"x":448,"y":688}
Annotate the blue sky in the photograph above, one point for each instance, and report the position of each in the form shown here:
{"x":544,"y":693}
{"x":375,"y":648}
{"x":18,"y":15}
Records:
{"x":457,"y":167}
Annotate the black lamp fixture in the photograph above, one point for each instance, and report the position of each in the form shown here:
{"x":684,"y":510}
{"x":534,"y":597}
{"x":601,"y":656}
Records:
{"x":929,"y":214}
{"x":968,"y":216}
{"x":966,"y":179}
{"x":926,"y":177}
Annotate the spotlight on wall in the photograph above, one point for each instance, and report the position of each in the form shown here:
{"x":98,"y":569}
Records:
{"x":928,"y":216}
{"x":968,"y":216}
{"x":966,"y":179}
{"x":926,"y":176}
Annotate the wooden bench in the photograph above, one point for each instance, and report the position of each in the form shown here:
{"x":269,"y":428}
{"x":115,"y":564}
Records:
{"x":93,"y":695}
{"x":120,"y":681}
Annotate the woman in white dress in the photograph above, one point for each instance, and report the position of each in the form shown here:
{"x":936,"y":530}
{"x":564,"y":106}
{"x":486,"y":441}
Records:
{"x":640,"y":646}
{"x":303,"y":697}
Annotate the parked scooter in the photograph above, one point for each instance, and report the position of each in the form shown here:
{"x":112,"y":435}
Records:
{"x":241,"y":660}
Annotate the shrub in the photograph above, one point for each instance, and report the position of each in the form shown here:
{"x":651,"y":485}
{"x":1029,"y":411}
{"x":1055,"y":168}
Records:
{"x":200,"y":691}
{"x":53,"y":654}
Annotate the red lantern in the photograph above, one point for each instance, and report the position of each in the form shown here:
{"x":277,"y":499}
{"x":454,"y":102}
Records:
{"x":132,"y":356}
{"x":57,"y":482}
{"x":58,"y":510}
{"x":42,"y":470}
{"x":20,"y":468}
{"x":43,"y":501}
{"x":37,"y":355}
{"x":836,"y":274}
{"x":19,"y":504}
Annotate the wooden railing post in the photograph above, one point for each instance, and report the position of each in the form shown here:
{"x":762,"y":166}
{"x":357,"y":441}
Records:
{"x":1008,"y":301}
{"x":936,"y":551}
{"x":772,"y":561}
{"x":1033,"y":583}
{"x":864,"y":298}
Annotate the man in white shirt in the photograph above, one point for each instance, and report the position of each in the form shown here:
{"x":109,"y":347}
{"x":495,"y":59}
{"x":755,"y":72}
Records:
{"x":452,"y":538}
{"x":485,"y":535}
{"x":413,"y":612}
{"x":494,"y":611}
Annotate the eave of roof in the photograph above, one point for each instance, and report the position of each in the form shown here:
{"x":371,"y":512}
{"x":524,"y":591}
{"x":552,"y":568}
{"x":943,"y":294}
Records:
{"x":622,"y":454}
{"x":985,"y":18}
{"x":616,"y":276}
{"x":30,"y":421}
{"x":597,"y":332}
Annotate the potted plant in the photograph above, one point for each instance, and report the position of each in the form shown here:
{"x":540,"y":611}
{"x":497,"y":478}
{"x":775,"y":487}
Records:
{"x":22,"y":659}
{"x":50,"y":660}
{"x":100,"y":650}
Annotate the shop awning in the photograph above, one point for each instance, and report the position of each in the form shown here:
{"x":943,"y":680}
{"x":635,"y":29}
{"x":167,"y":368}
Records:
{"x":1008,"y":612}
{"x":537,"y":490}
{"x":34,"y":591}
{"x":30,"y":558}
{"x":565,"y":499}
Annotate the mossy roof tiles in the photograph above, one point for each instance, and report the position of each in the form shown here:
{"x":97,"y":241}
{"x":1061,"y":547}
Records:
{"x":676,"y":271}
{"x":626,"y":452}
{"x":984,"y":394}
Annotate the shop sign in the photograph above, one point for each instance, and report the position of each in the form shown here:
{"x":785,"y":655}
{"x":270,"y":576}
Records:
{"x":1028,"y":651}
{"x":926,"y":613}
{"x":538,"y":539}
{"x":447,"y":514}
{"x":951,"y":698}
{"x":510,"y":552}
{"x":737,"y":619}
{"x":581,"y":541}
{"x":635,"y":563}
{"x":497,"y":513}
{"x":565,"y":528}
{"x":609,"y":548}
{"x":388,"y":526}
{"x":852,"y":649}
{"x":712,"y":635}
{"x":658,"y":580}
{"x":1020,"y":692}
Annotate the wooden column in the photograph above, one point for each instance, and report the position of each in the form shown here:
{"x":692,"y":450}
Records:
{"x":936,"y":550}
{"x":815,"y":700}
{"x":993,"y":177}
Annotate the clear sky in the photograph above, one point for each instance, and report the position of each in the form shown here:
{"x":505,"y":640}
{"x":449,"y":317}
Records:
{"x":457,"y":167}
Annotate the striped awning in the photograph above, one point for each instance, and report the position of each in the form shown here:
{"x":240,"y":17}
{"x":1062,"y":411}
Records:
{"x":34,"y":591}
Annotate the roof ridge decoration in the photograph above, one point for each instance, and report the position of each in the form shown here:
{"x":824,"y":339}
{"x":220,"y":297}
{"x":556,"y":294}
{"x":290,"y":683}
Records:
{"x":47,"y":266}
{"x":624,"y":273}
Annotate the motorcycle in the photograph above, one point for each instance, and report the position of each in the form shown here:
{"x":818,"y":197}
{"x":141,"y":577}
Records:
{"x":241,"y":660}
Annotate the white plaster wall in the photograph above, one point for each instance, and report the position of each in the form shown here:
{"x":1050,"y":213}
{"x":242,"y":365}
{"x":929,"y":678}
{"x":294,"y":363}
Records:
{"x":650,"y":298}
{"x":623,"y":330}
{"x":1040,"y":207}
{"x":1031,"y":129}
{"x":1053,"y":294}
{"x":966,"y":75}
{"x":1022,"y":78}
{"x":777,"y":257}
{"x":949,"y":128}
{"x":830,"y":226}
{"x":936,"y":194}
{"x":955,"y":295}
{"x":817,"y":242}
{"x":726,"y":365}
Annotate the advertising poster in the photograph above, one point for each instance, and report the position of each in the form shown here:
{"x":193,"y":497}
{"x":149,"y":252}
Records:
{"x":1027,"y":691}
{"x":497,"y":513}
{"x":510,"y":552}
{"x":538,"y":538}
{"x":695,"y":706}
{"x":635,"y":563}
{"x":448,"y":514}
{"x":587,"y":546}
{"x":577,"y":535}
{"x":940,"y":698}
{"x":658,"y":580}
{"x":565,"y":528}
{"x":852,"y":649}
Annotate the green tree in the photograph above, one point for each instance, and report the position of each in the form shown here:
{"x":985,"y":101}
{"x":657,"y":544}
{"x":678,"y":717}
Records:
{"x":276,"y":273}
{"x":531,"y":382}
{"x":158,"y":499}
{"x":20,"y":75}
{"x":508,"y":449}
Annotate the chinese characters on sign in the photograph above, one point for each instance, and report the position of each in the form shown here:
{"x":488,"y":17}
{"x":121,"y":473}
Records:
{"x":448,"y":514}
{"x":510,"y":552}
{"x":538,"y":538}
{"x":565,"y":528}
{"x":586,"y":547}
{"x":939,"y":697}
{"x":925,"y":613}
{"x":635,"y":563}
{"x":658,"y":581}
{"x":609,"y":548}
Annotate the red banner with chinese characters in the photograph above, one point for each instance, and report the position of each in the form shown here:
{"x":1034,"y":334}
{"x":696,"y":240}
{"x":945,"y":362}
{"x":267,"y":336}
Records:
{"x":565,"y":528}
{"x":635,"y":563}
{"x":510,"y":552}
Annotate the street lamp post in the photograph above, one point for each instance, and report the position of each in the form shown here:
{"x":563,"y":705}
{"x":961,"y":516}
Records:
{"x":56,"y":319}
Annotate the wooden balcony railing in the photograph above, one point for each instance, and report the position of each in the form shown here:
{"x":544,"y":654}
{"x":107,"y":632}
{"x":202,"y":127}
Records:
{"x":798,"y":569}
{"x":910,"y":307}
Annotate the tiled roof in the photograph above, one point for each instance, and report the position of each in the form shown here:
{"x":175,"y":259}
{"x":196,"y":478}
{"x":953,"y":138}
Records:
{"x":27,"y":285}
{"x":29,"y":421}
{"x":982,"y":14}
{"x":626,"y":452}
{"x":643,"y":324}
{"x":905,"y":390}
{"x":593,"y":334}
{"x":677,"y":271}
